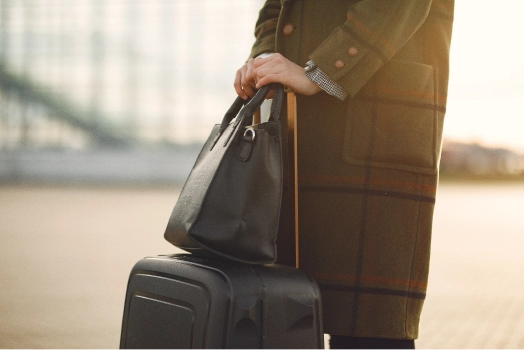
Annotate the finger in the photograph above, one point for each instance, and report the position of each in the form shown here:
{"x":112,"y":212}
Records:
{"x":238,"y":85}
{"x":270,"y":78}
{"x":262,"y":61}
{"x":263,"y":71}
{"x":247,"y":80}
{"x":275,"y":64}
{"x":250,"y":78}
{"x":272,"y":72}
{"x":250,"y":63}
{"x":248,"y":86}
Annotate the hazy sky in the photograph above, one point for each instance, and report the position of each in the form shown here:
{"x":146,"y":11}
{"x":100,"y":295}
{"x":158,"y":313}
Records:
{"x":486,"y":96}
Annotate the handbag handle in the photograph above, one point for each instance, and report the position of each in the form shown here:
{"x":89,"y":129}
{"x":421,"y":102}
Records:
{"x":257,"y":100}
{"x":254,"y":103}
{"x":251,"y":105}
{"x":276,"y":105}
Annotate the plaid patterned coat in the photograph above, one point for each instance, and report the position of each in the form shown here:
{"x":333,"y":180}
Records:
{"x":368,"y":166}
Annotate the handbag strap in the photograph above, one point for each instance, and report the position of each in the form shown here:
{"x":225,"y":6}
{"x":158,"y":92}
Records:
{"x":250,"y":107}
{"x":276,"y":105}
{"x":257,"y":100}
{"x":254,"y":103}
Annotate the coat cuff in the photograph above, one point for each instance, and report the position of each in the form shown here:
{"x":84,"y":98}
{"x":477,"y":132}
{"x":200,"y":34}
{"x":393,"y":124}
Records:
{"x":316,"y":75}
{"x":344,"y":59}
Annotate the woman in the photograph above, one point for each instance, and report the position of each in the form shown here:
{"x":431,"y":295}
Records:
{"x":371,"y":78}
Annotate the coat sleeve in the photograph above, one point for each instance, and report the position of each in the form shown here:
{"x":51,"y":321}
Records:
{"x":375,"y":30}
{"x":265,"y":28}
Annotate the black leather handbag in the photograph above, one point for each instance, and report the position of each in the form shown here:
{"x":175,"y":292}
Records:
{"x":230,"y":203}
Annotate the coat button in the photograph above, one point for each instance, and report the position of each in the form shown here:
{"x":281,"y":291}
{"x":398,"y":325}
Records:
{"x":339,"y":64}
{"x":288,"y":29}
{"x":353,"y":51}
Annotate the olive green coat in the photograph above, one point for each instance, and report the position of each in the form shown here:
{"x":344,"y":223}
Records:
{"x":368,"y":166}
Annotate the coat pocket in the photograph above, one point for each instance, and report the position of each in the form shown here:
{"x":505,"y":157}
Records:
{"x":393,"y":121}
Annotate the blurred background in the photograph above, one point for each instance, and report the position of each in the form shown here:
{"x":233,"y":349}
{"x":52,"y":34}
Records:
{"x":87,"y":83}
{"x":104,"y":105}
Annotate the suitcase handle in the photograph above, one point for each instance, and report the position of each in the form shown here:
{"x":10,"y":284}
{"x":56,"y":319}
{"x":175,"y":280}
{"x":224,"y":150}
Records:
{"x":293,"y":166}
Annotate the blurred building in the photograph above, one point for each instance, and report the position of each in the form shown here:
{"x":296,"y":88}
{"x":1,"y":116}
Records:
{"x":127,"y":90}
{"x":112,"y":75}
{"x":474,"y":159}
{"x":145,"y":69}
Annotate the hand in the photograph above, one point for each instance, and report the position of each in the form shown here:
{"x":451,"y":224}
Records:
{"x":273,"y":69}
{"x":278,"y":69}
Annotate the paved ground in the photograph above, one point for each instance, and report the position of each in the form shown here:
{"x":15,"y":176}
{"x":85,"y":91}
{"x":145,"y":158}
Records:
{"x":65,"y":255}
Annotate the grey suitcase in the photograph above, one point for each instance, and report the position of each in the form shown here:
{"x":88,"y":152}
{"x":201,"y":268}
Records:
{"x":181,"y":301}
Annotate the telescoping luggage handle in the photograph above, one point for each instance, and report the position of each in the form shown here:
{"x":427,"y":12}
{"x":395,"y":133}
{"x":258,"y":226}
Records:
{"x":293,"y":166}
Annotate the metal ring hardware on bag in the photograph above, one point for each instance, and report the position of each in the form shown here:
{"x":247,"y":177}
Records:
{"x":247,"y":145}
{"x":249,"y":108}
{"x":252,"y":133}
